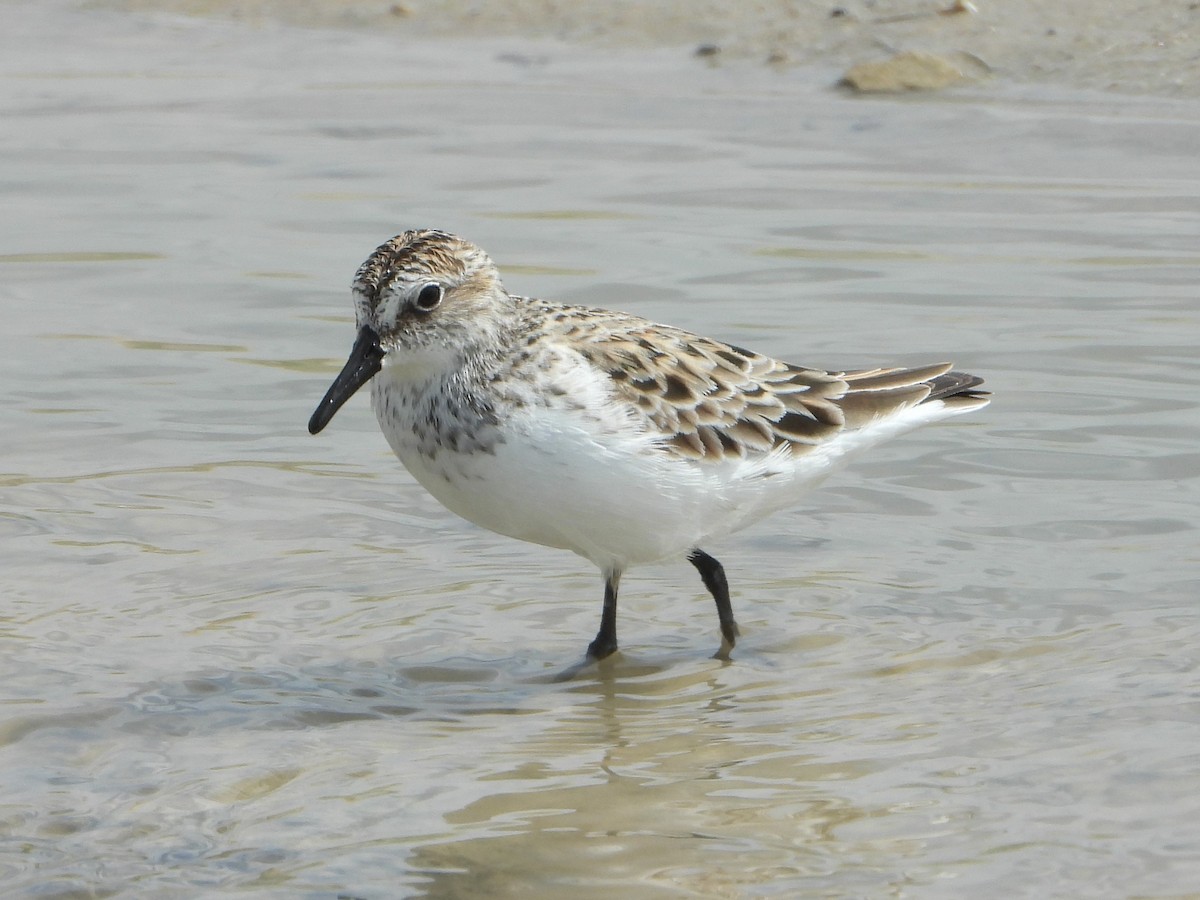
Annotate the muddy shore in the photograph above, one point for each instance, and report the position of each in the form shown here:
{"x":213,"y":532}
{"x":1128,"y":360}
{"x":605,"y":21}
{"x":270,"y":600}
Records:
{"x":1128,"y":46}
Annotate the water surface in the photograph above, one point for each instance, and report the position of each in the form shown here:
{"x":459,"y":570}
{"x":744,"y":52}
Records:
{"x":236,"y":658}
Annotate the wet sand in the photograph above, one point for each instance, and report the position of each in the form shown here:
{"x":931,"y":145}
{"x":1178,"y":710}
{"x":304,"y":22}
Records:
{"x":1119,"y":45}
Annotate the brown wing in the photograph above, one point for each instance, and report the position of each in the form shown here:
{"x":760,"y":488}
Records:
{"x":711,"y":400}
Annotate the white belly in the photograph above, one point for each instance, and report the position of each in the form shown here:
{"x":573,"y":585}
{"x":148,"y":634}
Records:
{"x":587,"y":481}
{"x":549,"y":481}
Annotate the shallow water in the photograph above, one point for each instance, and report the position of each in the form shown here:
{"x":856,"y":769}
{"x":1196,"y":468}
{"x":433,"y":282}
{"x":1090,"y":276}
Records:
{"x":238,"y":658}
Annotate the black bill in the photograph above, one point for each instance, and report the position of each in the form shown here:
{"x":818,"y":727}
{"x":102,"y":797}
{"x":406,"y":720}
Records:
{"x":366,"y":358}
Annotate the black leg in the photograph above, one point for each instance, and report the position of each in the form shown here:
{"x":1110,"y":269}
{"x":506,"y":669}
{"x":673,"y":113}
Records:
{"x":605,"y":643}
{"x":713,"y":575}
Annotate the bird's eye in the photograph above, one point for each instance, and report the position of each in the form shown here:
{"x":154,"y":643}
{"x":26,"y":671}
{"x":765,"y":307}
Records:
{"x":429,"y":297}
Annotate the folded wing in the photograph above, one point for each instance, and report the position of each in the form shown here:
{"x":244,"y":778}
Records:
{"x":711,"y":400}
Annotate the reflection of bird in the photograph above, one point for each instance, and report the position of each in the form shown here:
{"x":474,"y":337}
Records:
{"x":597,"y":431}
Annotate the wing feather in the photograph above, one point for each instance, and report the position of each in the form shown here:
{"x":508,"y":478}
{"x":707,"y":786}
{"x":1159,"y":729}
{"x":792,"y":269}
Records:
{"x":711,"y":401}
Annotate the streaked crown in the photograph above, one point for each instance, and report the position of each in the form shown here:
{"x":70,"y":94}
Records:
{"x":426,"y":285}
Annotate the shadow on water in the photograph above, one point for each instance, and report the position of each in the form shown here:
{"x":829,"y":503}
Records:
{"x":319,"y":697}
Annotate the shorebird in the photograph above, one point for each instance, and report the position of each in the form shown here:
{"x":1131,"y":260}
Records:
{"x":601,"y":432}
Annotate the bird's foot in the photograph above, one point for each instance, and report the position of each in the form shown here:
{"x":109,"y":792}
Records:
{"x":729,"y":636}
{"x":602,"y":647}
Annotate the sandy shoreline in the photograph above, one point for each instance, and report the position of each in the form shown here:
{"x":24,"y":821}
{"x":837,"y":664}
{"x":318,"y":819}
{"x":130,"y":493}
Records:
{"x":1129,"y":46}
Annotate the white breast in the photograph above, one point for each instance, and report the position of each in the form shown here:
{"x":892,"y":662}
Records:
{"x":579,"y":473}
{"x":576,"y":474}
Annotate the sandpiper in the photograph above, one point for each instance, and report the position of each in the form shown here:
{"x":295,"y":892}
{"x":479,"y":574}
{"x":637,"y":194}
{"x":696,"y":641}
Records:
{"x":600,"y":432}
